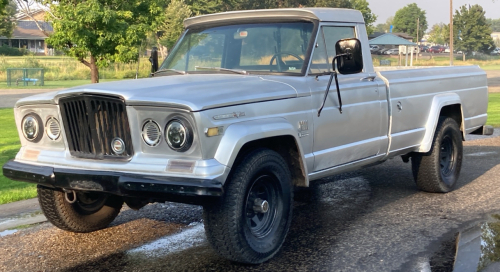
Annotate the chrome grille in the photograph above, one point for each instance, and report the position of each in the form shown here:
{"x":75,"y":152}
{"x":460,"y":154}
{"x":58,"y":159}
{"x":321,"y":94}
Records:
{"x":91,"y":122}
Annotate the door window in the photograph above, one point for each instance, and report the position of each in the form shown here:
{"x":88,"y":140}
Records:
{"x":333,"y":34}
{"x":328,"y":36}
{"x":319,"y":61}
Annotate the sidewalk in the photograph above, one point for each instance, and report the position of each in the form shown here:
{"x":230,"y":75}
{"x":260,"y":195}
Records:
{"x":25,"y":212}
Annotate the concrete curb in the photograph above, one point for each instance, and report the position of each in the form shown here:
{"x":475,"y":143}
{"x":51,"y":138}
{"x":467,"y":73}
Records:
{"x":24,"y":212}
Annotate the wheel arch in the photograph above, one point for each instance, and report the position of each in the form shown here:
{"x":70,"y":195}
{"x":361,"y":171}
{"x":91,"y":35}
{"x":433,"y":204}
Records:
{"x":276,"y":134}
{"x":449,"y":105}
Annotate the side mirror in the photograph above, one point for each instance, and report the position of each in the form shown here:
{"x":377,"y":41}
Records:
{"x":349,"y":56}
{"x":154,"y":60}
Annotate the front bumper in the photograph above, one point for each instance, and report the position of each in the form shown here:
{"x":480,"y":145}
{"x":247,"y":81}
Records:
{"x":118,"y":183}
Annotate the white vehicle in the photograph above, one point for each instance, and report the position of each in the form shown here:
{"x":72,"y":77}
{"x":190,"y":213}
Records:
{"x":394,"y":51}
{"x":239,"y":114}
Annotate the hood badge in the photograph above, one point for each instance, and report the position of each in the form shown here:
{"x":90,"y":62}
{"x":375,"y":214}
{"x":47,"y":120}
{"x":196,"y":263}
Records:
{"x":229,"y":115}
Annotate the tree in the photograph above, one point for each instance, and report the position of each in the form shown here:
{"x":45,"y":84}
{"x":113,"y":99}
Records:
{"x":471,"y":31}
{"x":7,"y":19}
{"x":200,"y":7}
{"x":333,"y":3}
{"x":405,"y":20}
{"x":386,"y":27}
{"x":437,"y":34}
{"x":3,"y":5}
{"x":97,"y":32}
{"x":370,"y":18}
{"x":494,"y":24}
{"x":172,"y":28}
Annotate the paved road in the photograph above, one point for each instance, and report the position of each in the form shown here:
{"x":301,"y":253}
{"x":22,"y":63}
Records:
{"x":8,"y":97}
{"x":371,"y":220}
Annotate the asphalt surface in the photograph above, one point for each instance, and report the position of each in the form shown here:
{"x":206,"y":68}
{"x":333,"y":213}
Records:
{"x":370,"y":220}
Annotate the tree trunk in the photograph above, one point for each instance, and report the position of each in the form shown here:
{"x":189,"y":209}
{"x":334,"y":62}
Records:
{"x":94,"y":72}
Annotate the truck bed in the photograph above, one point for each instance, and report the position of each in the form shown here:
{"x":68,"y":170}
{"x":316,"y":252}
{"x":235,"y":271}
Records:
{"x":416,"y":93}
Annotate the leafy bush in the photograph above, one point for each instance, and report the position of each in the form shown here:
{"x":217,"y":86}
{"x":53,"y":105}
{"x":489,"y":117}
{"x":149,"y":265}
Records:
{"x":6,"y":50}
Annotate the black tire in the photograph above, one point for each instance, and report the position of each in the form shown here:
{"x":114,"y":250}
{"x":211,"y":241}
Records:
{"x":234,"y":228}
{"x":91,"y":211}
{"x":438,"y":170}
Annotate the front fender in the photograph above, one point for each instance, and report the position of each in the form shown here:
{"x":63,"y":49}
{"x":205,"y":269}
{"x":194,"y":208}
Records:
{"x":438,"y":102}
{"x":238,"y":134}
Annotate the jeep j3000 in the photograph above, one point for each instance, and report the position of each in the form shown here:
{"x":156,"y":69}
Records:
{"x":247,"y":106}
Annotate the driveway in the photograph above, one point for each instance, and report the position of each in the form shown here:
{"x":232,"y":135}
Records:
{"x":370,"y":220}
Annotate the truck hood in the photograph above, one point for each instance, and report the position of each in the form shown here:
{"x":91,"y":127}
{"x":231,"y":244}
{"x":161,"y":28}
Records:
{"x":194,"y":92}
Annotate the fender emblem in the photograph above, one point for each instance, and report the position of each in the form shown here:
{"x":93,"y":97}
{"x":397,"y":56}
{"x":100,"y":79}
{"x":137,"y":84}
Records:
{"x":303,"y":125}
{"x":229,"y":115}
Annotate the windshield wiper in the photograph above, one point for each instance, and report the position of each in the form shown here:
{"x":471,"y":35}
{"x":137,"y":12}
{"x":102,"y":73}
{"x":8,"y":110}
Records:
{"x":237,"y":71}
{"x":170,"y":70}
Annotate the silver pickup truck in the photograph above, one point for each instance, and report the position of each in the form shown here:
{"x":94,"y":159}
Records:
{"x":247,"y":106}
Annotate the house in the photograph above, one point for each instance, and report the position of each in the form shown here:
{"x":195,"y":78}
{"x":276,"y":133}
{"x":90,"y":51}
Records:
{"x":496,"y":38}
{"x":28,"y":35}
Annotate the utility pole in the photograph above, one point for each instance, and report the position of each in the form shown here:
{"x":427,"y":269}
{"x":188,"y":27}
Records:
{"x":451,"y":32}
{"x":418,"y":47}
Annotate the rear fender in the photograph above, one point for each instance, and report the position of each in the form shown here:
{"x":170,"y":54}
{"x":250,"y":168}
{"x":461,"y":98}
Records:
{"x":438,"y":103}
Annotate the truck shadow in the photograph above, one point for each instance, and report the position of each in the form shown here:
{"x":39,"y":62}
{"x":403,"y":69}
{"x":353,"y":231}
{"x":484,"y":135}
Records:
{"x":336,"y":218}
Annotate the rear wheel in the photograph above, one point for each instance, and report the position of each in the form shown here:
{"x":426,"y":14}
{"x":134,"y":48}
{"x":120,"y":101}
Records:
{"x":438,"y":170}
{"x":89,"y":211}
{"x":250,"y":223}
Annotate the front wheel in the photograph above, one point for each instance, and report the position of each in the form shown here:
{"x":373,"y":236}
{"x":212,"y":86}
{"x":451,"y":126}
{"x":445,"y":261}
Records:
{"x":90,"y":211}
{"x":439,"y":169}
{"x":250,"y":223}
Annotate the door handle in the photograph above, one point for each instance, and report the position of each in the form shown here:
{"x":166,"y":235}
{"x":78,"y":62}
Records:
{"x":369,"y":78}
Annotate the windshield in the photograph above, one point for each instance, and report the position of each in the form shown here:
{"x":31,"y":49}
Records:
{"x":264,"y":48}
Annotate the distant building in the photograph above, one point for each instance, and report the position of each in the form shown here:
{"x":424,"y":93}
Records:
{"x":401,"y":35}
{"x":27,"y":34}
{"x":496,"y":38}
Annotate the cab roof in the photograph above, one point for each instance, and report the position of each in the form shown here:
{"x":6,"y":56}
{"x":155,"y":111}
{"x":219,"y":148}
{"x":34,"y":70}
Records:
{"x":265,"y":15}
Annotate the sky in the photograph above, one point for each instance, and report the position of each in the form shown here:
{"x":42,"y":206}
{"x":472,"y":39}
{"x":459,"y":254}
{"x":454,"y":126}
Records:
{"x":437,"y":11}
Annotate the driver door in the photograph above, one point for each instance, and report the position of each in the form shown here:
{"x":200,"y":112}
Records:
{"x":356,"y":133}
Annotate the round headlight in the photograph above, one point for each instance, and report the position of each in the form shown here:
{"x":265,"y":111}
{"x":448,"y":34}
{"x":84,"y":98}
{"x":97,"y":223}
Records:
{"x":31,"y":127}
{"x":52,"y":128}
{"x":179,"y":134}
{"x":151,"y":133}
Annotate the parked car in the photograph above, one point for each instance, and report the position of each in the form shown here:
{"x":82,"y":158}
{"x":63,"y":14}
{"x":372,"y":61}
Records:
{"x":374,"y":48}
{"x":394,"y":51}
{"x":423,"y":48}
{"x":447,"y":50}
{"x":238,"y":137}
{"x":495,"y":51}
{"x":436,"y":49}
{"x":382,"y":51}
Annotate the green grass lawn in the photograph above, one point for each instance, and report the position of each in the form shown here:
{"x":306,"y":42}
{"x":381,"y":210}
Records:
{"x":494,"y":110}
{"x":10,"y":190}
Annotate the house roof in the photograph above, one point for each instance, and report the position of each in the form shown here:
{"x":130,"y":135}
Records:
{"x":31,"y":25}
{"x":399,"y":34}
{"x":390,"y":39}
{"x":30,"y":31}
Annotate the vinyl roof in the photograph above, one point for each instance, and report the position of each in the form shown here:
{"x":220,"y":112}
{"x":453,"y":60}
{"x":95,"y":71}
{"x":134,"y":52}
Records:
{"x":319,"y":14}
{"x":390,"y":39}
